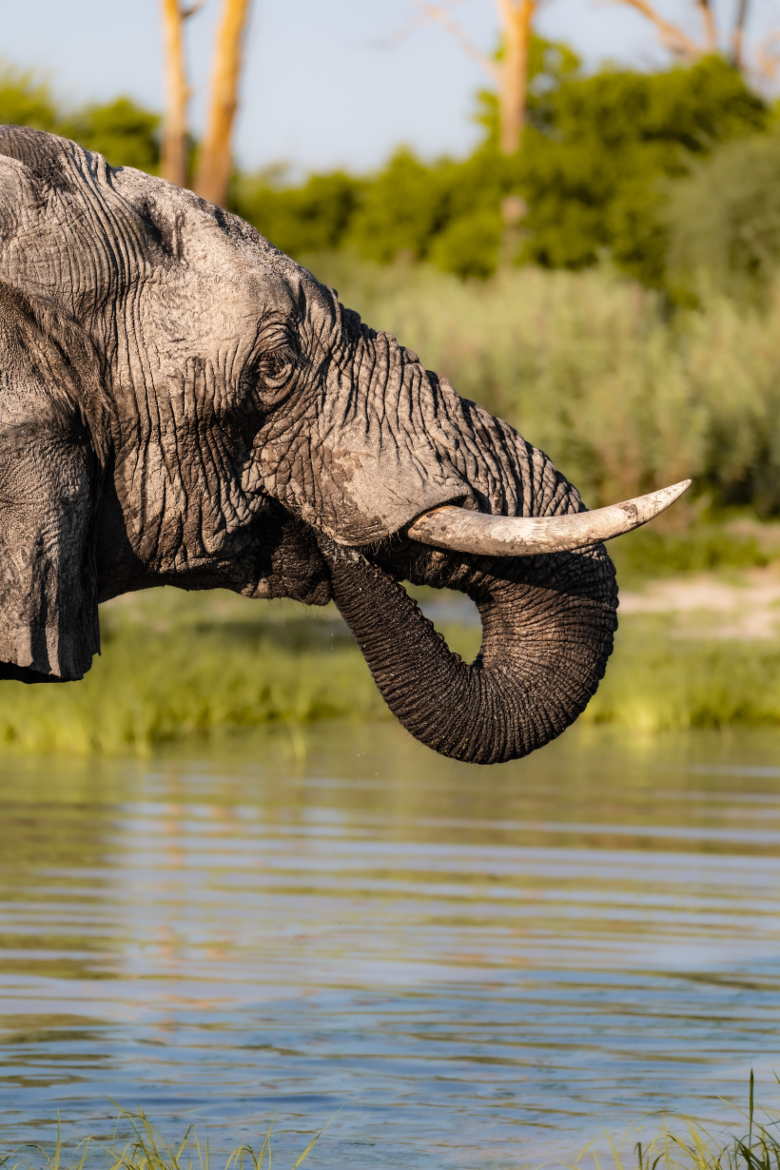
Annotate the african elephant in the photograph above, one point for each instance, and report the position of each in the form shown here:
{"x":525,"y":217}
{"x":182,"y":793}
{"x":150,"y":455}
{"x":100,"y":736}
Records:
{"x":182,"y":404}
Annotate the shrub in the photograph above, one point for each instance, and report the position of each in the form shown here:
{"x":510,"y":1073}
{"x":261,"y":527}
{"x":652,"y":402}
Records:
{"x":124,"y":132}
{"x":723,"y":220}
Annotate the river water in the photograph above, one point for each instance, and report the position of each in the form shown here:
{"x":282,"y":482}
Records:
{"x":459,"y":966}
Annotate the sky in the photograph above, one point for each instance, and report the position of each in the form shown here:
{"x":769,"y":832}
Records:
{"x":326,"y":83}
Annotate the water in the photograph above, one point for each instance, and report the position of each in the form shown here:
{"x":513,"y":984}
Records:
{"x":478,"y":967}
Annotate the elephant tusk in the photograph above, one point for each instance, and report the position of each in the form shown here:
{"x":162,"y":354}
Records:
{"x":524,"y":536}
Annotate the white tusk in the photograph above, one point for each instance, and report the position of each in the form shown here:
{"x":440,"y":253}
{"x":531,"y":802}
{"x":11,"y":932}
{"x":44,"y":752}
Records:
{"x":524,"y":536}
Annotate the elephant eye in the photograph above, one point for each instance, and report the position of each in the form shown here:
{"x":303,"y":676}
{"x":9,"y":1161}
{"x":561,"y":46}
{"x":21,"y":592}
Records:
{"x":275,"y":371}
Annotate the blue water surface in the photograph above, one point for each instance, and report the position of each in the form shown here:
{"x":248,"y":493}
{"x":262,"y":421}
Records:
{"x":456,"y":966}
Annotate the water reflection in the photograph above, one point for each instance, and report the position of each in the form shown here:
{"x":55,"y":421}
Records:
{"x":480,"y":965}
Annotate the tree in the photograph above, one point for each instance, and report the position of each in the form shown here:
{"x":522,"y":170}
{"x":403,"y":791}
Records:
{"x":596,"y":176}
{"x":509,"y":70}
{"x":174,"y":145}
{"x":674,"y":38}
{"x":124,"y":133}
{"x":215,"y":158}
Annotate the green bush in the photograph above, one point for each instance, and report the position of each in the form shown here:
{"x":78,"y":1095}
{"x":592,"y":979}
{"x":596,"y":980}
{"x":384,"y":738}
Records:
{"x":312,"y":217}
{"x":723,"y":220}
{"x":122,"y":131}
{"x":593,"y":170}
{"x":592,"y":175}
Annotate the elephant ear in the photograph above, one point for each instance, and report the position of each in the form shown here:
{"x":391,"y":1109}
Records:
{"x":52,"y":418}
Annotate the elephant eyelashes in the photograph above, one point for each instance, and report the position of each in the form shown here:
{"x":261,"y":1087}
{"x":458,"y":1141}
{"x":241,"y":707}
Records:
{"x":275,"y":372}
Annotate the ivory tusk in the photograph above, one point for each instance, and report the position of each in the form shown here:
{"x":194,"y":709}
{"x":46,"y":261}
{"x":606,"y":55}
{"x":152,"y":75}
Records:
{"x":524,"y":536}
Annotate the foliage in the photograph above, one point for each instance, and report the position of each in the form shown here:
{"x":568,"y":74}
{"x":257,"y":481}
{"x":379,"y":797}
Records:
{"x":123,"y":132}
{"x":175,"y":665}
{"x":312,"y":217}
{"x":591,"y":170}
{"x":651,"y":552}
{"x":120,"y":129}
{"x":723,"y":220}
{"x":26,"y":100}
{"x":591,"y":176}
{"x":447,"y":211}
{"x":656,"y":682}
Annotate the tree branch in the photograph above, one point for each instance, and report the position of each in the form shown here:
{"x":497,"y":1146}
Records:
{"x":670,"y":35}
{"x":440,"y":14}
{"x":768,"y":56}
{"x":710,"y":29}
{"x":737,"y":45}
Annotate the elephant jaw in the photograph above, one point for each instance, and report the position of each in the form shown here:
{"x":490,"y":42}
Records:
{"x":460,"y":530}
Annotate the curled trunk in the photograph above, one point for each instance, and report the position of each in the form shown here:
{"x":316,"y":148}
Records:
{"x":547,"y":623}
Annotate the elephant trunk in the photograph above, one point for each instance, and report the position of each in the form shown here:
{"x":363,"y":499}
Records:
{"x":548,"y":624}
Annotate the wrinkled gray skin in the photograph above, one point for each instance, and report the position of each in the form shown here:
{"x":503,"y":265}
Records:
{"x":182,"y":404}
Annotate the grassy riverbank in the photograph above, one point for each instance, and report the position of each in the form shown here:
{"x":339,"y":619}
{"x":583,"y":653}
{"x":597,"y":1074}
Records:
{"x":177,"y":665}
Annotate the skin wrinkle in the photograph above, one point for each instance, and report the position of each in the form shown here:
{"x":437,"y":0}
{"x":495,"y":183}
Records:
{"x":252,"y":416}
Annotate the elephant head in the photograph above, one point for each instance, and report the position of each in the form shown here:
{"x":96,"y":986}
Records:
{"x":183,"y":404}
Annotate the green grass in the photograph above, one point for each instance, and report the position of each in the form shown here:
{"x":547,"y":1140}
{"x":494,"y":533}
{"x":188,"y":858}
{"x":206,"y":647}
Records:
{"x":649,"y":553}
{"x":657,"y":682}
{"x":177,"y":666}
{"x":144,"y":1149}
{"x":683,"y":1143}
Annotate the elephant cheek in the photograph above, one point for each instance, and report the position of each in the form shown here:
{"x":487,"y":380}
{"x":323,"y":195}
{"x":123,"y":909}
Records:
{"x":357,"y":495}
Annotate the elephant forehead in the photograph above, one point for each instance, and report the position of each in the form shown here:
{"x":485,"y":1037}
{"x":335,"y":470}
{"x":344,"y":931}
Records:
{"x":78,"y":230}
{"x":194,"y":312}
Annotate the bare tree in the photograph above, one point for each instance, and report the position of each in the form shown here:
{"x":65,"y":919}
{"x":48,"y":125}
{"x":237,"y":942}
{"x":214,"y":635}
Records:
{"x":768,"y":57}
{"x":671,"y":36}
{"x":510,"y":74}
{"x":216,"y":158}
{"x":174,"y":145}
{"x":516,"y":19}
{"x":738,"y":36}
